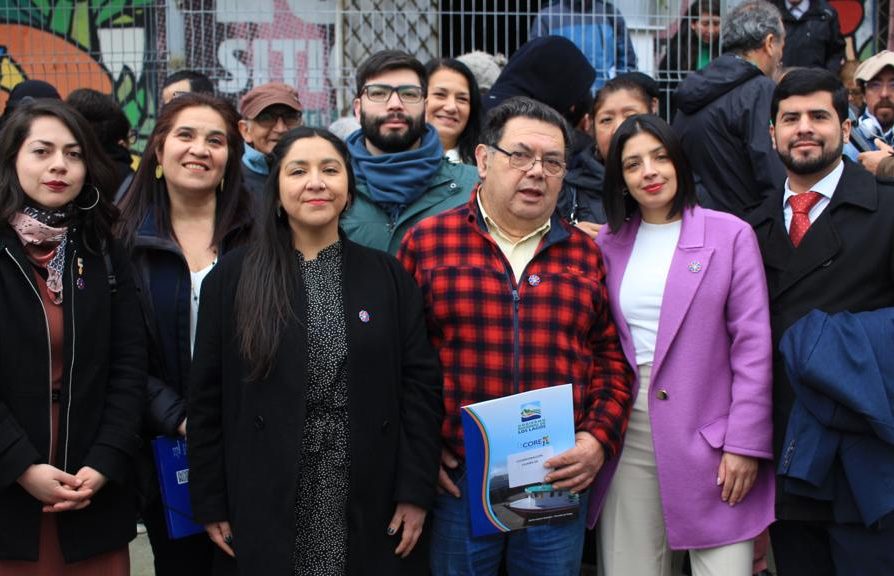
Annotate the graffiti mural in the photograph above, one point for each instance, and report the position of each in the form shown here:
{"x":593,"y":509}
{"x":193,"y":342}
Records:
{"x":97,"y":44}
{"x":857,"y":30}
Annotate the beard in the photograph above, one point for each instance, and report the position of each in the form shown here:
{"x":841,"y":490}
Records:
{"x":805,"y":166}
{"x":392,"y":141}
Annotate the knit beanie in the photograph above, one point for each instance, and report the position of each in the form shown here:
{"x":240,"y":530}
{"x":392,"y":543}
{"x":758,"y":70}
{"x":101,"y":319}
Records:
{"x":550,"y":69}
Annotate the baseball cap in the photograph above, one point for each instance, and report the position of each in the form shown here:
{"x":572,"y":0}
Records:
{"x":265,"y":95}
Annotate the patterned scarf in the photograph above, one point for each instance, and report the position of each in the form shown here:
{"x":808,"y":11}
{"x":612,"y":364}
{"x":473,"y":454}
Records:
{"x":36,"y":226}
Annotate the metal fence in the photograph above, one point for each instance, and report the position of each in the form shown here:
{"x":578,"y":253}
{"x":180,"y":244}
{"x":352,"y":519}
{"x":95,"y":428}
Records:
{"x":127,"y":47}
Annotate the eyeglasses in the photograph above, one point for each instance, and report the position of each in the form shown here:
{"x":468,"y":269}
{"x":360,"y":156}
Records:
{"x":268,"y":118}
{"x":408,"y":93}
{"x":524,"y":161}
{"x":876,"y":85}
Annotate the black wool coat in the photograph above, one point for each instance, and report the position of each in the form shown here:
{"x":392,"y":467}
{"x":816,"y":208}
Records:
{"x":101,"y":400}
{"x":845,"y":262}
{"x":245,"y":437}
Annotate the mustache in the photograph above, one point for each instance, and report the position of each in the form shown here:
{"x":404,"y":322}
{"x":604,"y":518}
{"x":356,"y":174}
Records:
{"x":394,"y":116}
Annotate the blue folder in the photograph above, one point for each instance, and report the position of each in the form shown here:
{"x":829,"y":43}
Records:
{"x":173,"y":478}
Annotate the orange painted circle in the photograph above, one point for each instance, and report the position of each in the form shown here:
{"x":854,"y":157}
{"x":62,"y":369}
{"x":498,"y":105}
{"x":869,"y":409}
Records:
{"x":44,"y":56}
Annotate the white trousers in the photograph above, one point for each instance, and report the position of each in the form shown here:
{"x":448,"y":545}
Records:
{"x":631,"y":535}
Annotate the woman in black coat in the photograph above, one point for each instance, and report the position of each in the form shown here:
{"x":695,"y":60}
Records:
{"x":315,"y":398}
{"x":72,"y":359}
{"x":185,"y":207}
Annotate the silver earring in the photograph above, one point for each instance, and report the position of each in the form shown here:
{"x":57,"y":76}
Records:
{"x":95,"y":202}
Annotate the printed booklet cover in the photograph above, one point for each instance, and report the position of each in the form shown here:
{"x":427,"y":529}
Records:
{"x":507,"y":441}
{"x":173,"y":478}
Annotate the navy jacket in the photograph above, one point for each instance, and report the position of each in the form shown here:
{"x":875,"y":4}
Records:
{"x":723,"y":120}
{"x":814,"y":40}
{"x":839,"y":445}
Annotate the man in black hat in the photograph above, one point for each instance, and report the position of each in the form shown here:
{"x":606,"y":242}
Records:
{"x":25,"y":92}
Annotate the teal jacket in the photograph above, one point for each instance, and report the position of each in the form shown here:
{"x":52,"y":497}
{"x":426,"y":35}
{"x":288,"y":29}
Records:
{"x":366,"y":223}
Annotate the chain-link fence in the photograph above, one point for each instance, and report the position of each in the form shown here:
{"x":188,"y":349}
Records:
{"x":127,"y":47}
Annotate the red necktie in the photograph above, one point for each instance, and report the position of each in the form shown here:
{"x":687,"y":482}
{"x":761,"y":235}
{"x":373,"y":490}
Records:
{"x":801,"y":205}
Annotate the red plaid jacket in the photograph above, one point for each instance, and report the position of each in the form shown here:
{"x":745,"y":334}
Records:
{"x":496,"y":337}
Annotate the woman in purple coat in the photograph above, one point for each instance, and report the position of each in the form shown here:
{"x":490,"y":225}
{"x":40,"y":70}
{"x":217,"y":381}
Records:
{"x":689,"y":297}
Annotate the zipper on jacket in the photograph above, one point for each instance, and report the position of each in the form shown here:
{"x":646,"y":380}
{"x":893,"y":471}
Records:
{"x":49,"y":350}
{"x":74,"y":332}
{"x":516,"y":345}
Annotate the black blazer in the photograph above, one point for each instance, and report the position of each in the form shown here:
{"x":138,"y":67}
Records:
{"x":101,"y":399}
{"x":245,"y":437}
{"x":844,"y":263}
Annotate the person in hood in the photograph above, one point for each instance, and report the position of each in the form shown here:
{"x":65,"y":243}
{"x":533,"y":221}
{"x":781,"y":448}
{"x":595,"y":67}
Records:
{"x":723,"y":112}
{"x":402,"y":173}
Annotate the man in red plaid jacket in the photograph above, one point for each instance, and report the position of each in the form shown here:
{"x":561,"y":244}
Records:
{"x":515,"y":300}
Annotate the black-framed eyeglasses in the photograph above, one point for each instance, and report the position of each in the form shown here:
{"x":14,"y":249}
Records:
{"x":524,"y":161}
{"x":269,"y":117}
{"x":408,"y":93}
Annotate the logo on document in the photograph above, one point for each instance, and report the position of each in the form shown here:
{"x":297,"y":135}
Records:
{"x":530,"y":411}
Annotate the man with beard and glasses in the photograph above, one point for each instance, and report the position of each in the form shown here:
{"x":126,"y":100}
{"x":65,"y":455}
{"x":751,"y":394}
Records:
{"x":828,"y":244}
{"x":402,"y":174}
{"x":873,"y":136}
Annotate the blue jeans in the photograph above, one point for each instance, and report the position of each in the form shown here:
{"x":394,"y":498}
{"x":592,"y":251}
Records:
{"x":554,"y":549}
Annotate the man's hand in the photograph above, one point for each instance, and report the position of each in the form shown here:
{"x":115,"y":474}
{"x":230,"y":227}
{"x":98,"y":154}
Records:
{"x":736,"y":474}
{"x":445,"y":484}
{"x":576,"y":468}
{"x":870,"y":160}
{"x":412,"y":518}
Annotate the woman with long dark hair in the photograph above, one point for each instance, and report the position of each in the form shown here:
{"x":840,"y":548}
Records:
{"x":184,"y":209}
{"x":689,"y":297}
{"x":72,"y":363}
{"x":315,"y":398}
{"x":453,"y":107}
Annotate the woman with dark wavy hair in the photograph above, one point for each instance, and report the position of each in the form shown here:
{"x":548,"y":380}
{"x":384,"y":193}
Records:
{"x":453,"y":107}
{"x":185,"y":208}
{"x":72,"y":363}
{"x":315,"y":398}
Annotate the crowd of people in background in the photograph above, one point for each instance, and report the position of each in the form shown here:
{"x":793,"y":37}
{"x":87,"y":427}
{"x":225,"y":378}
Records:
{"x":706,"y":255}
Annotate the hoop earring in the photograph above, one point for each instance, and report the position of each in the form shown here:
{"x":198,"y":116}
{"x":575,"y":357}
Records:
{"x":95,"y":202}
{"x":159,"y":172}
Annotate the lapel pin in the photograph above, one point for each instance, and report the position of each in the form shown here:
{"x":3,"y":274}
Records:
{"x":364,"y":316}
{"x":695,"y":266}
{"x":534,"y":280}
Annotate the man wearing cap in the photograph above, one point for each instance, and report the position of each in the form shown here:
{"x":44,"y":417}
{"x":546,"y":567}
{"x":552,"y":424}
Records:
{"x":723,"y":111}
{"x":268,"y":111}
{"x":873,"y":134}
{"x":401,"y":171}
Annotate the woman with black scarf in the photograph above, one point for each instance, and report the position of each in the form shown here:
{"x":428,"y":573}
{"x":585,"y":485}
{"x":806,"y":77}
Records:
{"x":72,"y":356}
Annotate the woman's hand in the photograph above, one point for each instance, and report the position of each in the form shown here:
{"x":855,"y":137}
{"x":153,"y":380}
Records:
{"x":412,"y":518}
{"x":220,"y":534}
{"x":58,"y":490}
{"x":736,"y":474}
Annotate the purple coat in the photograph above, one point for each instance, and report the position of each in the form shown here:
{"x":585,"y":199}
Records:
{"x":711,"y":384}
